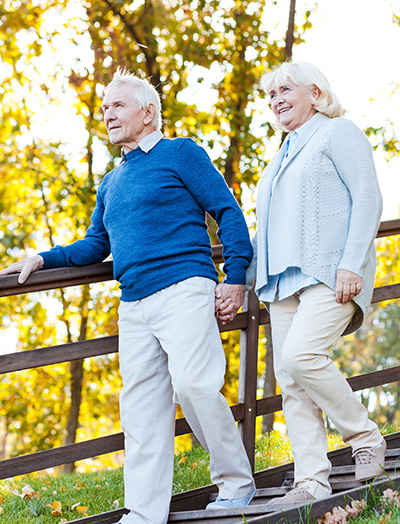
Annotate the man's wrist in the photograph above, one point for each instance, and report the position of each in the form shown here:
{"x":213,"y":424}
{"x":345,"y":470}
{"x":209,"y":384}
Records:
{"x":40,"y":261}
{"x":236,"y":281}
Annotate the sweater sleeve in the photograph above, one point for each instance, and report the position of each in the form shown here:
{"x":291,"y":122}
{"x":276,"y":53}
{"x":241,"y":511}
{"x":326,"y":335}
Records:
{"x":352,"y":156}
{"x":212,"y":193}
{"x":95,"y":247}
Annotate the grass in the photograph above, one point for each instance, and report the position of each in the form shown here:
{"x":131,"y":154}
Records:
{"x":90,"y":493}
{"x":379,"y":509}
{"x":98,"y":492}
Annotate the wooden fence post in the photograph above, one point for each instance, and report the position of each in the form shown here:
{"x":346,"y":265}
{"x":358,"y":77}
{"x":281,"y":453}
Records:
{"x":248,"y":374}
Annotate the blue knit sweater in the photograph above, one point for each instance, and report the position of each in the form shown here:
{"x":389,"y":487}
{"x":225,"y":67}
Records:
{"x":150,"y":214}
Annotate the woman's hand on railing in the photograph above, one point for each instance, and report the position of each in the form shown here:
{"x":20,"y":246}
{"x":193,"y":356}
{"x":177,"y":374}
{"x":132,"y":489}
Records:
{"x":228,"y":299}
{"x":348,"y":285}
{"x":24,"y":267}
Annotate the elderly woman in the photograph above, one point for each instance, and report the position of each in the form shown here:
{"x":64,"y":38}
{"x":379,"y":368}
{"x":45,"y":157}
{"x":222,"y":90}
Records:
{"x":318,"y":210}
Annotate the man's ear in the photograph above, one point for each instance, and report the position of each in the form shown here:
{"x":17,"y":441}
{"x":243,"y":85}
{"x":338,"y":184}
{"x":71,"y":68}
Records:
{"x":150,"y":112}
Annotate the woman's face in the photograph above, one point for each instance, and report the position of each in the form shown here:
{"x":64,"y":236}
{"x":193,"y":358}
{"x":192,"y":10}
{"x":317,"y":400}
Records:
{"x":292,"y":105}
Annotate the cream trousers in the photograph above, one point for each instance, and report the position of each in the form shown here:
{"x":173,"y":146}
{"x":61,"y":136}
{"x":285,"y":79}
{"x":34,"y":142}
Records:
{"x":304,"y":327}
{"x":170,"y":352}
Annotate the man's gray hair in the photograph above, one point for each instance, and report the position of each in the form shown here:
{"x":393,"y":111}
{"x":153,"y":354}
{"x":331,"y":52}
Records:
{"x":143,"y":92}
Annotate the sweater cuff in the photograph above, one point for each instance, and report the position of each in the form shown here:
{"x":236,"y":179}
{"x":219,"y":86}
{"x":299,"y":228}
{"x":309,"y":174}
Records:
{"x":236,"y":277}
{"x":52,"y":259}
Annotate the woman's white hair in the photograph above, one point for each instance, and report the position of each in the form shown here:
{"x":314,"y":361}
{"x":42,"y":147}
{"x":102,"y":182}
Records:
{"x":143,"y":92}
{"x":307,"y":75}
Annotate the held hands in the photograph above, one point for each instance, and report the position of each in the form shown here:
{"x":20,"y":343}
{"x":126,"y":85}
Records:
{"x":24,"y":267}
{"x":228,"y":299}
{"x":348,"y":285}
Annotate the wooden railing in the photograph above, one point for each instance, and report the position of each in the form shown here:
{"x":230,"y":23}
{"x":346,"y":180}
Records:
{"x":248,"y":321}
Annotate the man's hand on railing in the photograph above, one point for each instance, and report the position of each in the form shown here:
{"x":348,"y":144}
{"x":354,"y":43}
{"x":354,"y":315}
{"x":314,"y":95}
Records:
{"x":228,"y":299}
{"x":24,"y":267}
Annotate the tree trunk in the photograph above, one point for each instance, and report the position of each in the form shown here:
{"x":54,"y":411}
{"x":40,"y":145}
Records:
{"x":76,"y":397}
{"x":290,"y":30}
{"x":76,"y":370}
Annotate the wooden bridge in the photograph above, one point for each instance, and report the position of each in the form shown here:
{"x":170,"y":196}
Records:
{"x":188,"y":507}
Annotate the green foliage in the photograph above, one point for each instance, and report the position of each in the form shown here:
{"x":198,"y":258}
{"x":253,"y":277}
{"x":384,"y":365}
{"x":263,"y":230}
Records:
{"x":172,"y":43}
{"x":386,"y":137}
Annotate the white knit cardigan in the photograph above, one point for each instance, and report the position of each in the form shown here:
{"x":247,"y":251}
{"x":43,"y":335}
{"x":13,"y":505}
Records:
{"x":324,"y":209}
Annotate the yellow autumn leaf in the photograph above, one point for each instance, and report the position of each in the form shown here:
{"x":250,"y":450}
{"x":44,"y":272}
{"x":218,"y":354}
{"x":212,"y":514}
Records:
{"x":182,"y":460}
{"x":56,"y":505}
{"x":81,"y":509}
{"x":1,"y":511}
{"x":26,"y":493}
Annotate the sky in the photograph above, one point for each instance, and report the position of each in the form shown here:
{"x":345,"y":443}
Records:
{"x":355,"y":44}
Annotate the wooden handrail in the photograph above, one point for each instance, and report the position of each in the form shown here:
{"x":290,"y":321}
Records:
{"x":74,"y":276}
{"x":69,"y":276}
{"x":245,"y":412}
{"x":103,"y":445}
{"x":56,"y":279}
{"x":386,"y":293}
{"x":389,"y":228}
{"x":52,"y":458}
{"x":102,"y":346}
{"x":359,"y":382}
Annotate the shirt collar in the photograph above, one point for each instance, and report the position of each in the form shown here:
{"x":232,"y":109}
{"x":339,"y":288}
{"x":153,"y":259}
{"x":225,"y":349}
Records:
{"x":147,"y":143}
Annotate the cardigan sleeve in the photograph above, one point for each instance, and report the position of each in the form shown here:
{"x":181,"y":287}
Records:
{"x":352,"y":156}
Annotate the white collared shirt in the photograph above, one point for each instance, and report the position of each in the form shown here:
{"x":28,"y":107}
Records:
{"x":147,"y":143}
{"x":292,"y":279}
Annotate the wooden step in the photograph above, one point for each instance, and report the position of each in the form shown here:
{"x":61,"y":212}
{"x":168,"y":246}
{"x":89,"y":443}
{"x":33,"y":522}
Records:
{"x":225,"y":516}
{"x":110,"y":517}
{"x":260,"y":514}
{"x":342,"y":479}
{"x":319,"y":508}
{"x":271,"y":483}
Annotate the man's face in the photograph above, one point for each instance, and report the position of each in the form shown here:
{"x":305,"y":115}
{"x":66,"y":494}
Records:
{"x":126,"y":123}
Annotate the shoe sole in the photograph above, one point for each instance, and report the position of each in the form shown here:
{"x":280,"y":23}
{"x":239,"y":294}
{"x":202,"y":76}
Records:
{"x":287,"y":506}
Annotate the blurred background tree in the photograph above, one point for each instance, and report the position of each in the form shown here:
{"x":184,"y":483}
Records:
{"x":58,"y":57}
{"x":206,"y":58}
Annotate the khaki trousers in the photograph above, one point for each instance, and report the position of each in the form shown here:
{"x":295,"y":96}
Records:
{"x":304,"y":327}
{"x":170,"y":352}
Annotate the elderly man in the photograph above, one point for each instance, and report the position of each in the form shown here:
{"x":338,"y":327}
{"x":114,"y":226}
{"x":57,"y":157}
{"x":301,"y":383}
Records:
{"x":150,"y":214}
